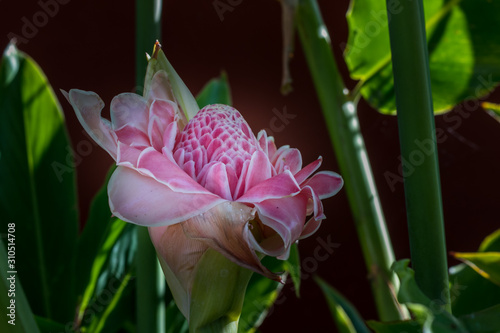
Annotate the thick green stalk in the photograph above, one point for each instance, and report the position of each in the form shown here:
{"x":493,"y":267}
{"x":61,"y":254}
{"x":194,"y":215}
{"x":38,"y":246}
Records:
{"x":419,"y":150}
{"x":342,"y":122}
{"x":150,"y":281}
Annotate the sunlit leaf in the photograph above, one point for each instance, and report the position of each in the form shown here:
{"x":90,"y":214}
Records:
{"x":463,"y":50}
{"x":345,"y":315}
{"x":466,"y":284}
{"x":37,"y":190}
{"x":487,"y":264}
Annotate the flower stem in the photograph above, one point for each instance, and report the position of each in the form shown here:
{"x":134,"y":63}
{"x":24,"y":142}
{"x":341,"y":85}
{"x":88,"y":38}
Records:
{"x":150,"y":281}
{"x":343,"y":124}
{"x":416,"y":129}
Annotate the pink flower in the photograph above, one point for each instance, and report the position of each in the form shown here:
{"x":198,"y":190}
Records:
{"x":209,"y":183}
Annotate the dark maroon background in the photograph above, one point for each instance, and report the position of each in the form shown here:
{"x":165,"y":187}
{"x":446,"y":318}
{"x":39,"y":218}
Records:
{"x":90,"y":45}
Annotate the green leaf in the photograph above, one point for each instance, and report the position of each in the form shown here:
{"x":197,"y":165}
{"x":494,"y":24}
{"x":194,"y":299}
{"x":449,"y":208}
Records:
{"x":465,"y":287}
{"x":463,"y":48}
{"x":466,"y":284}
{"x":409,"y":292}
{"x":176,"y":322}
{"x":486,"y":321}
{"x":110,"y":276}
{"x":491,"y":243}
{"x":430,"y":314}
{"x":345,"y":315}
{"x":38,"y":186}
{"x":94,"y":235}
{"x":48,"y":326}
{"x":408,"y":326}
{"x":17,"y":317}
{"x":216,"y":91}
{"x":260,"y":296}
{"x":487,"y":264}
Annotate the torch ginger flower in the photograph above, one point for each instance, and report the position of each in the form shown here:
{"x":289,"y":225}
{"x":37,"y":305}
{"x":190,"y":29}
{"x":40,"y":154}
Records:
{"x":206,"y":183}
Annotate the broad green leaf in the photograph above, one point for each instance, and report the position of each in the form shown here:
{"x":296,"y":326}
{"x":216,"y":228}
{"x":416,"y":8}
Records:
{"x":216,"y":91}
{"x":486,"y":321}
{"x":345,"y":315}
{"x":37,"y":190}
{"x":487,"y":264}
{"x":463,"y":50}
{"x":16,"y":312}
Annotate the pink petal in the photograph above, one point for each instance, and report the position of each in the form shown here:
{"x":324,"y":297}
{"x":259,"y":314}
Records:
{"x":161,"y":115}
{"x":88,"y":106}
{"x":129,"y":109}
{"x":217,"y":182}
{"x":127,"y":155}
{"x":310,"y":227}
{"x":314,"y":204}
{"x":132,"y":136}
{"x":142,"y":200}
{"x":161,"y":89}
{"x":288,"y":159}
{"x":225,"y":229}
{"x":161,"y":168}
{"x":258,"y":171}
{"x":266,"y":143}
{"x":286,"y":216}
{"x":308,"y":170}
{"x":325,"y":183}
{"x":276,"y":187}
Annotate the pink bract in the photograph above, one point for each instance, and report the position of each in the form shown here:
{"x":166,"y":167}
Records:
{"x":209,"y":183}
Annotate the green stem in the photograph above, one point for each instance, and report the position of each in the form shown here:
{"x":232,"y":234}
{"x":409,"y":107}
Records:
{"x":150,"y":281}
{"x":342,"y":122}
{"x":419,"y":150}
